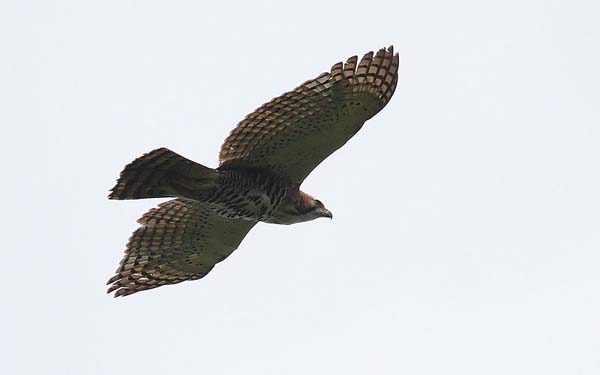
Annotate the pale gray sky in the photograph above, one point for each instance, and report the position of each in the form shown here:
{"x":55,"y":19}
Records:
{"x":466,"y":234}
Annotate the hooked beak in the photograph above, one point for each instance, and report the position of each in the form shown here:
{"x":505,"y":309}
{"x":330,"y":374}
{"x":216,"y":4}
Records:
{"x":325,"y":213}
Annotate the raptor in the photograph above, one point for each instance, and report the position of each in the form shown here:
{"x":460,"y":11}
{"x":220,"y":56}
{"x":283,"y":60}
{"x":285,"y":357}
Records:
{"x":263,"y":162}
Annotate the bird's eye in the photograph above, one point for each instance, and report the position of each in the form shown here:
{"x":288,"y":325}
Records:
{"x":318,"y":203}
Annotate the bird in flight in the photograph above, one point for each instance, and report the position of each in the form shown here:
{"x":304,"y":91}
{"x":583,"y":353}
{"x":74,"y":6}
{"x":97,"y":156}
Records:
{"x":263,"y":162}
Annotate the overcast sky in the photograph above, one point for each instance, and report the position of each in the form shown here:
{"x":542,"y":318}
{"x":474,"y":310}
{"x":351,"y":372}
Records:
{"x":466,"y":234}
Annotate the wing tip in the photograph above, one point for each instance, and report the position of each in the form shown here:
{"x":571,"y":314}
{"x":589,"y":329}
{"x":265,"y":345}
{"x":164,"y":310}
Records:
{"x":375,"y":73}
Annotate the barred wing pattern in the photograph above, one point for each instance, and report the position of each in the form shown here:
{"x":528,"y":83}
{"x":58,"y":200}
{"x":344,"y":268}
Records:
{"x":295,"y":132}
{"x":180,"y":240}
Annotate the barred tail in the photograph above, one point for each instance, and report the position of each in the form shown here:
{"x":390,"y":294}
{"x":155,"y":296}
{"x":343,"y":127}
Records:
{"x":163,"y":173}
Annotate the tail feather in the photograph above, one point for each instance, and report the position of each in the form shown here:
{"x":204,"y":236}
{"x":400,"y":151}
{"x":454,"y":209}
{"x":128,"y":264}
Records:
{"x":163,"y":173}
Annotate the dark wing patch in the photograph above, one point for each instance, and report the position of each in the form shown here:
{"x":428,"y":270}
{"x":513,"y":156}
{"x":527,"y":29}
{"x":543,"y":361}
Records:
{"x":296,"y":131}
{"x":179,"y":240}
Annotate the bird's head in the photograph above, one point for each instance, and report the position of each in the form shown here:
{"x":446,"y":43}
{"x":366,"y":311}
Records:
{"x":314,"y":209}
{"x":300,"y":207}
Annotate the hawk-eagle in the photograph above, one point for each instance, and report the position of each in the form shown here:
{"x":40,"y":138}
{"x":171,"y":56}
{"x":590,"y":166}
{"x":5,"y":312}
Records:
{"x":262,"y":165}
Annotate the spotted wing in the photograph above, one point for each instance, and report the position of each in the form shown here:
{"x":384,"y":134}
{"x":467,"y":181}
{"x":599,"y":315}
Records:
{"x":179,"y":240}
{"x":295,"y":132}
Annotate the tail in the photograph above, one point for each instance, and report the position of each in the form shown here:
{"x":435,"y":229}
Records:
{"x":162,"y":173}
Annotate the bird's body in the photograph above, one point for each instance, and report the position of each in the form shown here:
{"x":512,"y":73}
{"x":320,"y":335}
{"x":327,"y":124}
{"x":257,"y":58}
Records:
{"x":247,"y":194}
{"x":263,"y":163}
{"x":256,"y":195}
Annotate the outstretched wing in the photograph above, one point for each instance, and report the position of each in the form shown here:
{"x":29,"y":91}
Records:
{"x":295,"y":132}
{"x":179,"y":240}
